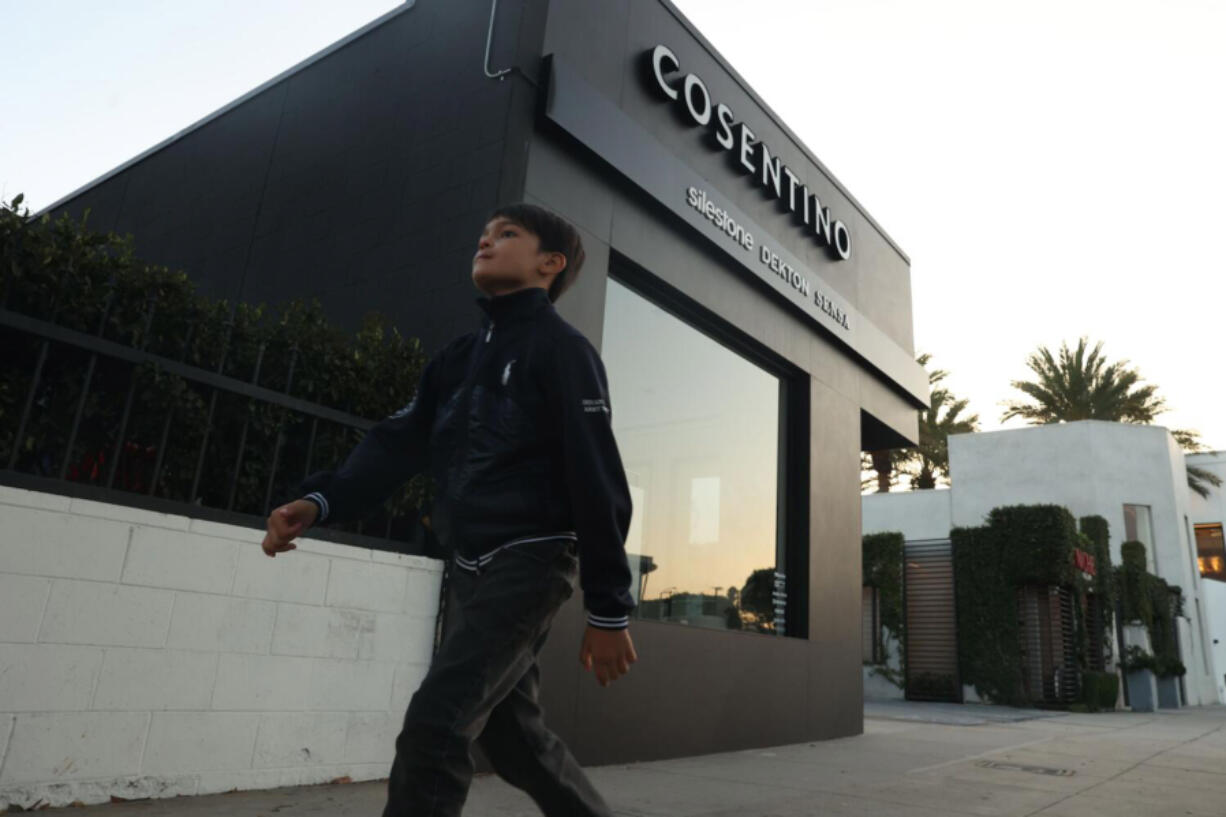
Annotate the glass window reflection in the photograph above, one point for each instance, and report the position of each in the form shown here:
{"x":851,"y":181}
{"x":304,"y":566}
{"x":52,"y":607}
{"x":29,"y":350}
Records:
{"x":698,"y":430}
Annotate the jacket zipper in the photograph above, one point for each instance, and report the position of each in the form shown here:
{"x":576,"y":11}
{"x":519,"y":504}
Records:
{"x":479,"y":352}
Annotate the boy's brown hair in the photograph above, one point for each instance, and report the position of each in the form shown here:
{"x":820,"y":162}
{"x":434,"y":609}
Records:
{"x":555,"y":234}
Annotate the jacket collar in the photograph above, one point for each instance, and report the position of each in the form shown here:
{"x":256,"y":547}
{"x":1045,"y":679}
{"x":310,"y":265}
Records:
{"x":523,"y":303}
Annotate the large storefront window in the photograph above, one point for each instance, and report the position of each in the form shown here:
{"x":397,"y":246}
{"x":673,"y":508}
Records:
{"x":698,"y":430}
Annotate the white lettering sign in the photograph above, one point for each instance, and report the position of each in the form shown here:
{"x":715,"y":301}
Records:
{"x":751,"y":156}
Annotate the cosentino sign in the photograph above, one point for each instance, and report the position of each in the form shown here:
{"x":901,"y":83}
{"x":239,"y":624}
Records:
{"x":746,"y":153}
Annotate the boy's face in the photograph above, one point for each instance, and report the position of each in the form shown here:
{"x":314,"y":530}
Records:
{"x":509,"y":258}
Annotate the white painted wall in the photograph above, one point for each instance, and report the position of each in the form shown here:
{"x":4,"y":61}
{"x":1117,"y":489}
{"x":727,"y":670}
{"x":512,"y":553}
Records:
{"x":1089,"y":467}
{"x":1093,"y":467}
{"x":151,"y":655}
{"x":1212,"y":509}
{"x":1215,"y":613}
{"x":915,"y":514}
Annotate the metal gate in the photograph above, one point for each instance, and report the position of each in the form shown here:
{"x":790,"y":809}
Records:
{"x":932,"y":640}
{"x":870,"y":626}
{"x":1049,"y":654}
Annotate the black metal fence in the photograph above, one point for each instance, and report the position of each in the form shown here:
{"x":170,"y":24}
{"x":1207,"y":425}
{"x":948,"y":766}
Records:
{"x":92,"y":417}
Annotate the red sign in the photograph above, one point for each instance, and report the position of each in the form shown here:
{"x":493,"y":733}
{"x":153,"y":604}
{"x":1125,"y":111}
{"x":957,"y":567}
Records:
{"x":1084,"y":561}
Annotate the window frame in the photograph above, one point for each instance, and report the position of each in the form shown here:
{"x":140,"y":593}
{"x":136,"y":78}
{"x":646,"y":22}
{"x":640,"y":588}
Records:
{"x":1197,"y":528}
{"x":1151,"y":546}
{"x":792,"y":486}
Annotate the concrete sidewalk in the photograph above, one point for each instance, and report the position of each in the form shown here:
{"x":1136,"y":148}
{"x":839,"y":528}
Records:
{"x":913,"y":759}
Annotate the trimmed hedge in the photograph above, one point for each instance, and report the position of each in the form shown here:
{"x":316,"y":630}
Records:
{"x":988,"y":655}
{"x":882,"y":569}
{"x":1148,"y":599}
{"x":1136,"y":602}
{"x":1098,"y":532}
{"x":1036,"y":543}
{"x":1020,"y":545}
{"x":1099,"y":690}
{"x":63,"y":272}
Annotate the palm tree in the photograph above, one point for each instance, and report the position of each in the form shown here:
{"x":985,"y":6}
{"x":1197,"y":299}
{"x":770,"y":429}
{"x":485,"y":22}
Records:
{"x":930,"y":458}
{"x":881,"y":468}
{"x":1199,"y":479}
{"x":1079,"y":384}
{"x":1083,"y":386}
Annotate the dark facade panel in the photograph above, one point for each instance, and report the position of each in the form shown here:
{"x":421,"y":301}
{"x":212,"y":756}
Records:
{"x":362,"y":179}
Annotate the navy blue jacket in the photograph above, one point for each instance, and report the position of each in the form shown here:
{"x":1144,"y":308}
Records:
{"x":514,"y":423}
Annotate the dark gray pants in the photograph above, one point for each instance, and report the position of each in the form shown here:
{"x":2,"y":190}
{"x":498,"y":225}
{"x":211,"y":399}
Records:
{"x":482,"y":686}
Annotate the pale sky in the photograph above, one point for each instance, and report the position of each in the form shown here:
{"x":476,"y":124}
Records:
{"x":1052,"y":169}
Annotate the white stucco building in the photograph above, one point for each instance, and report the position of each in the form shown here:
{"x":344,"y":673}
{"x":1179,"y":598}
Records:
{"x":1208,"y":515}
{"x":1133,"y":476}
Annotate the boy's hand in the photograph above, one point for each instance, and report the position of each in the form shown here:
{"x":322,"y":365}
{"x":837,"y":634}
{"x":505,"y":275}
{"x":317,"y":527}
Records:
{"x":287,"y":522}
{"x":609,"y":652}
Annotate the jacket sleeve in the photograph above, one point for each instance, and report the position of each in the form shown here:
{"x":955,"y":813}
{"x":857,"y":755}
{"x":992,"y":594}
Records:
{"x":596,"y":481}
{"x":394,"y":450}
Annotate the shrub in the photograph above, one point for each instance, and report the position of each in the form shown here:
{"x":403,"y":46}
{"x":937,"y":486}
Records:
{"x":1096,"y":530}
{"x":931,"y":685}
{"x":1036,"y":543}
{"x":1136,"y":659}
{"x":62,"y":272}
{"x":1151,"y":601}
{"x":1020,"y":545}
{"x":882,"y":555}
{"x":988,"y":654}
{"x":1099,"y":690}
{"x":1136,"y":601}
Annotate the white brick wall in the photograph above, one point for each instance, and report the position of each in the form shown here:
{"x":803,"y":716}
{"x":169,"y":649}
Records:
{"x":64,"y":745}
{"x":221,"y":624}
{"x":192,"y":742}
{"x":367,"y":586}
{"x":271,"y":683}
{"x":106,"y":614}
{"x":152,"y":655}
{"x":44,"y":543}
{"x":155,"y":679}
{"x":24,"y":600}
{"x":297,"y":739}
{"x":368,"y":736}
{"x":186,"y":561}
{"x":36,"y":677}
{"x":295,"y":576}
{"x":320,"y":632}
{"x":421,"y":595}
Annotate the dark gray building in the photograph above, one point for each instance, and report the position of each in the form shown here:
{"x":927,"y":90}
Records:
{"x":754,"y":319}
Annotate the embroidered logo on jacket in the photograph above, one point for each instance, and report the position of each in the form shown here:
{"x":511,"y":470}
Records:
{"x":593,"y":406}
{"x":404,"y":412}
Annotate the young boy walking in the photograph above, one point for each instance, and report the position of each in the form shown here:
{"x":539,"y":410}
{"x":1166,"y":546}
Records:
{"x":513,"y":422}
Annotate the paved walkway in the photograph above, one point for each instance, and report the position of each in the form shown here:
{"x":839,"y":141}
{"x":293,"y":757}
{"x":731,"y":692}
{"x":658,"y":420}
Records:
{"x":913,"y":760}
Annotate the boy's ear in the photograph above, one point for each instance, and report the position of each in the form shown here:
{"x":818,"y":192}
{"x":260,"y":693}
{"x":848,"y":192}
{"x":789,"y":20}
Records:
{"x":553,"y":263}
